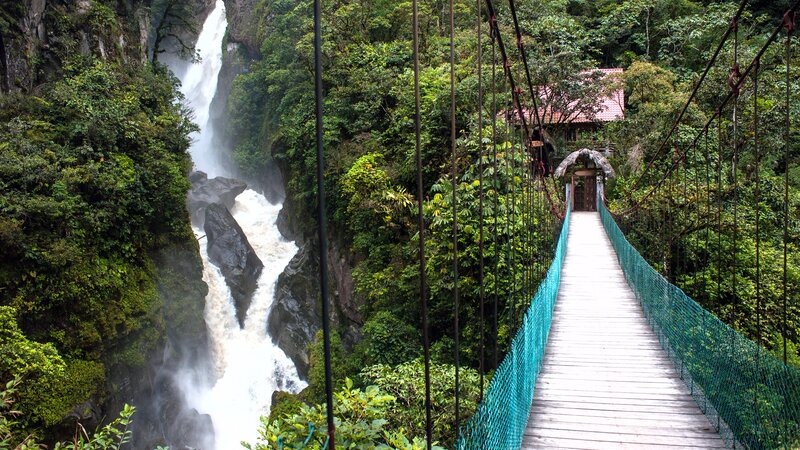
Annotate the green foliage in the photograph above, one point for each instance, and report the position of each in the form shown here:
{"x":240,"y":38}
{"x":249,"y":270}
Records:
{"x":406,"y":383}
{"x":39,"y":363}
{"x":110,"y":437}
{"x":389,"y":340}
{"x":699,"y":229}
{"x":360,"y":420}
{"x":341,"y":364}
{"x":284,"y":404}
{"x":93,"y":178}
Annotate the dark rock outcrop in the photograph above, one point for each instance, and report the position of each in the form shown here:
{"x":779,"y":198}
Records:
{"x":244,"y":22}
{"x":229,"y":250}
{"x":187,"y":426}
{"x":296,"y":315}
{"x":153,"y":389}
{"x":204,"y":192}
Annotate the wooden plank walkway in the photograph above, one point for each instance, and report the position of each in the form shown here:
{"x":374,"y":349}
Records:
{"x":606,"y":382}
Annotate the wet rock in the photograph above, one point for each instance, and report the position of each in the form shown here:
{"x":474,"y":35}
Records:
{"x":229,"y":250}
{"x":220,"y":190}
{"x":198,"y":177}
{"x":187,"y":426}
{"x":296,"y":315}
{"x":244,"y":23}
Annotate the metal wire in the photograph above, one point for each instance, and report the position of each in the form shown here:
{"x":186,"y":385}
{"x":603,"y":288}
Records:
{"x":495,"y":206}
{"x":453,"y":148}
{"x":423,"y":289}
{"x":500,"y":420}
{"x":322,"y":223}
{"x":481,"y":281}
{"x":696,"y":88}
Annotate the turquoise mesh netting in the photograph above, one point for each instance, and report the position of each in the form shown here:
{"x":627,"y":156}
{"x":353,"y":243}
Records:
{"x":500,"y":419}
{"x":748,"y":394}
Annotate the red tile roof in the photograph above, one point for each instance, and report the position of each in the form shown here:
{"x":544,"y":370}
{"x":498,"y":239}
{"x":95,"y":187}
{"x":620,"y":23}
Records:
{"x":611,"y":108}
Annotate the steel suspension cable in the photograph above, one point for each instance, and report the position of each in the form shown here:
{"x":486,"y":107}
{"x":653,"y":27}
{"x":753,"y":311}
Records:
{"x":789,"y":24}
{"x":495,"y":205}
{"x":719,"y":209}
{"x":453,"y":149}
{"x":721,"y":106}
{"x":524,"y":57}
{"x":481,"y":366}
{"x":531,"y":242}
{"x":696,"y":88}
{"x":423,"y":289}
{"x":696,"y":223}
{"x":509,"y":147}
{"x":322,"y":224}
{"x":515,"y":91}
{"x":757,"y":181}
{"x":706,"y":253}
{"x":506,"y":64}
{"x":757,"y":149}
{"x":735,"y":82}
{"x":512,"y":236}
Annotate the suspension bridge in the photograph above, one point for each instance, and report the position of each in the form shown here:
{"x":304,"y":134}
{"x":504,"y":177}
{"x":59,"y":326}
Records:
{"x":608,"y":352}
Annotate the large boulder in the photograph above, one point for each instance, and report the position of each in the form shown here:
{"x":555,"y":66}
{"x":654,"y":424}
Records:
{"x":220,"y":190}
{"x":229,"y":250}
{"x":296,"y":314}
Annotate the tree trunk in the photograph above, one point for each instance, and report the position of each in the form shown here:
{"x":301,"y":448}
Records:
{"x":647,"y":32}
{"x":4,"y":82}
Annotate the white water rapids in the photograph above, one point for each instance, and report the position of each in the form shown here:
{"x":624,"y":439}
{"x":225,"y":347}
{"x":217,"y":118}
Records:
{"x":249,"y":366}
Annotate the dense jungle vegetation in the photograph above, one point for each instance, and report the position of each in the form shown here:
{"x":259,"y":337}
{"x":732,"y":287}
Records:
{"x":93,"y":169}
{"x":93,"y":179}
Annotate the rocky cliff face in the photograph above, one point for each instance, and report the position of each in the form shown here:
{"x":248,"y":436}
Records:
{"x":37,"y":39}
{"x":162,"y":416}
{"x":40,"y":35}
{"x":296,"y":315}
{"x":243,"y":24}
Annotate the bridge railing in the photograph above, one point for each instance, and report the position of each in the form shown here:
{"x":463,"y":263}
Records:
{"x":752,"y":397}
{"x":499,"y":421}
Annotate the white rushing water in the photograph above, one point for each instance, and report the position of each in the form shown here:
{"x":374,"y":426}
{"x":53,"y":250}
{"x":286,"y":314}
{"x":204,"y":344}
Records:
{"x":249,"y":366}
{"x":199,"y":84}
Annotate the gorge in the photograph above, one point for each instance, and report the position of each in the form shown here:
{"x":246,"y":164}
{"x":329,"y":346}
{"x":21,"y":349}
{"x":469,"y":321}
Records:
{"x":248,"y":366}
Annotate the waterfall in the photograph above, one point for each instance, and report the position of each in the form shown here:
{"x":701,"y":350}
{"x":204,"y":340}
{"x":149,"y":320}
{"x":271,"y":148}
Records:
{"x":249,"y":366}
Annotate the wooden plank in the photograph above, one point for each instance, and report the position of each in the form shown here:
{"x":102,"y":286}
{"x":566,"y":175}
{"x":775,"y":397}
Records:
{"x":628,"y":438}
{"x":587,"y":404}
{"x":696,"y":423}
{"x":614,"y":398}
{"x":606,"y":381}
{"x":695,"y":431}
{"x":599,"y":416}
{"x":531,"y":442}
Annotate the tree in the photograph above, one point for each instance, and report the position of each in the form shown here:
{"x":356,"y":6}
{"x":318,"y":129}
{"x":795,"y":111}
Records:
{"x":360,"y":420}
{"x":174,"y":24}
{"x":111,"y":437}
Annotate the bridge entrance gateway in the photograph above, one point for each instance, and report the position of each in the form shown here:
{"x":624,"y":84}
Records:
{"x":605,"y":380}
{"x":584,"y":172}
